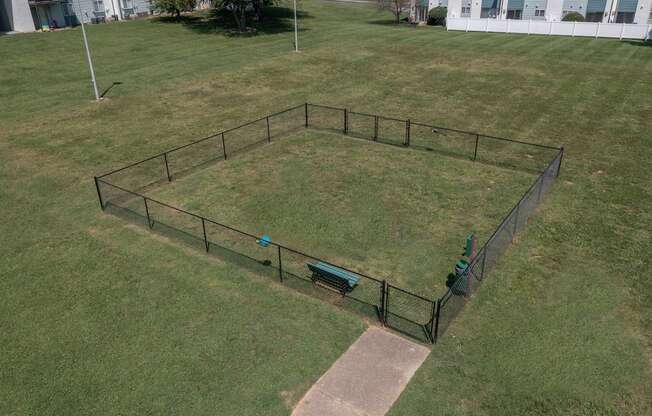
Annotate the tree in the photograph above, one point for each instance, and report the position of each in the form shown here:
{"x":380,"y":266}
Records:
{"x":239,"y":10}
{"x":395,"y":6}
{"x":174,"y":7}
{"x":573,"y":17}
{"x":437,"y":16}
{"x":242,"y":9}
{"x":259,"y":7}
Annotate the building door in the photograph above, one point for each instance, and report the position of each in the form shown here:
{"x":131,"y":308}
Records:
{"x":41,"y":16}
{"x":625,"y":11}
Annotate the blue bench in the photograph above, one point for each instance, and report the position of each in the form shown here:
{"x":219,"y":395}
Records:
{"x":333,"y":277}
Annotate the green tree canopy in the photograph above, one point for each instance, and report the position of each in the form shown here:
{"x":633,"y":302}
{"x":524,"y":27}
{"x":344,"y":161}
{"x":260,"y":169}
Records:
{"x":174,"y":6}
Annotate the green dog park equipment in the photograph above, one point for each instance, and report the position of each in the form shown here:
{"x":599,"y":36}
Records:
{"x":326,"y":274}
{"x":468,"y":251}
{"x":460,"y":266}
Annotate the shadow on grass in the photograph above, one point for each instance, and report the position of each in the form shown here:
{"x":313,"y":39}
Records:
{"x":275,"y":20}
{"x":266,"y":267}
{"x":106,"y":91}
{"x":643,"y":43}
{"x":509,"y":165}
{"x":391,"y":22}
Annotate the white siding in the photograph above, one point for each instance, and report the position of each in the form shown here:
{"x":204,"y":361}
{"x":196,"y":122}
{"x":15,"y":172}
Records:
{"x":589,"y":29}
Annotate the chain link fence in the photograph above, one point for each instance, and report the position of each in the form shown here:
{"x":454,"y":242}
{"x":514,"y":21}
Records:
{"x":120,"y":192}
{"x":451,"y":303}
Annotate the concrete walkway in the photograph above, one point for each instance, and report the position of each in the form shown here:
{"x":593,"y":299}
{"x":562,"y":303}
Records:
{"x":367,"y":379}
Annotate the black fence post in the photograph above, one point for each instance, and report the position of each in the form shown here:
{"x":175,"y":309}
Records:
{"x":375,"y":128}
{"x":346,"y":121}
{"x":99,"y":193}
{"x":518,"y":208}
{"x":475,"y":152}
{"x":280,"y":265}
{"x":223,"y":146}
{"x":561,"y":157}
{"x":433,"y":317}
{"x":407,"y":132}
{"x":269,"y":136}
{"x":435,"y":326}
{"x":381,"y":306}
{"x":149,"y":221}
{"x":167,"y":167}
{"x":203,"y":227}
{"x":306,"y":113}
{"x":385,"y":302}
{"x":484,"y":260}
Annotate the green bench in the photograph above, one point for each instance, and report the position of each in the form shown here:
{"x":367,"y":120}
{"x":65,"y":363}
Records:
{"x":333,"y":277}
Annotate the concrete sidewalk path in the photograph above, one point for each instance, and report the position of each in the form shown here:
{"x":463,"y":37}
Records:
{"x":367,"y":379}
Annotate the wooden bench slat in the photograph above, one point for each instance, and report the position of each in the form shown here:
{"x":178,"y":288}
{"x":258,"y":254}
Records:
{"x":351,"y":278}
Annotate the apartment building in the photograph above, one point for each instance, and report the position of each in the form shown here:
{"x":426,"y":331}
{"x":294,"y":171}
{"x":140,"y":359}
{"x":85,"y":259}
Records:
{"x":31,"y":15}
{"x":604,"y":11}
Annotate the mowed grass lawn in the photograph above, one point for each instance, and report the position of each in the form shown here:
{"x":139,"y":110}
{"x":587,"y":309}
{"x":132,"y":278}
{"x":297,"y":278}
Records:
{"x":392,"y":213}
{"x":102,"y":317}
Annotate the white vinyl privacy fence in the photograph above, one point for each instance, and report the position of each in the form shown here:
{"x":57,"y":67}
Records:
{"x":540,"y":27}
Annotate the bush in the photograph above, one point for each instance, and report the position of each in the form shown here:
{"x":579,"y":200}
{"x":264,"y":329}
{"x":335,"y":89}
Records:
{"x":573,"y":17}
{"x":437,"y":16}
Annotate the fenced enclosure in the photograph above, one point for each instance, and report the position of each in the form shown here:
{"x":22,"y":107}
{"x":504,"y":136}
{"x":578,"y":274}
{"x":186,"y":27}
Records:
{"x":123,"y":192}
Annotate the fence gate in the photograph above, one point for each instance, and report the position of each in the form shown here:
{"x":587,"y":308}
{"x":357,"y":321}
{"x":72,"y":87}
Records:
{"x":409,"y":313}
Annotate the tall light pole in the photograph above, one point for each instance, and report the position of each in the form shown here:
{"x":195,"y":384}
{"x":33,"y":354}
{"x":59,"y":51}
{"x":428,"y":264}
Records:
{"x":88,"y":54}
{"x":296,"y":34}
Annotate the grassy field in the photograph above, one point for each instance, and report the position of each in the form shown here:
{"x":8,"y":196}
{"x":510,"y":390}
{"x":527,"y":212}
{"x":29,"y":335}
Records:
{"x":101,"y":317}
{"x":354,"y":203}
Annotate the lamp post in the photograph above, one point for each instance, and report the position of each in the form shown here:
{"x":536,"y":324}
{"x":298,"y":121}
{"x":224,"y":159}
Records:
{"x":88,"y":55}
{"x":296,"y":34}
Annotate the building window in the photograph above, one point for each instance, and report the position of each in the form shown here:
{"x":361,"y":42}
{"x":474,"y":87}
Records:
{"x":466,"y":11}
{"x":514,"y":14}
{"x":514,"y":9}
{"x":98,"y":6}
{"x":569,"y":6}
{"x":539,"y":13}
{"x":69,"y":14}
{"x":625,"y":17}
{"x":625,"y":11}
{"x":128,"y":8}
{"x":490,"y":9}
{"x":595,"y":10}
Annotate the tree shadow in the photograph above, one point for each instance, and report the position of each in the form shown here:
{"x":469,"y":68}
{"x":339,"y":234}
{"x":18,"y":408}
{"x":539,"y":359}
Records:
{"x":391,"y":21}
{"x":275,"y":20}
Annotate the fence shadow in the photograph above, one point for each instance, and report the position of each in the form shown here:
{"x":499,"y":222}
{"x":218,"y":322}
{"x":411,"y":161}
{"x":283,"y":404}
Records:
{"x":513,"y":166}
{"x":262,"y":267}
{"x":408,"y":328}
